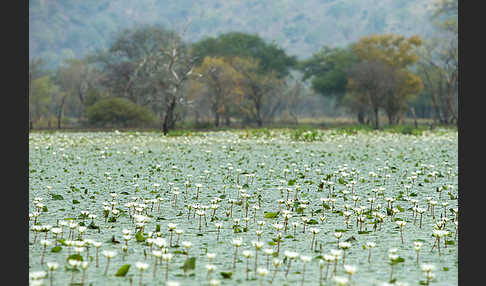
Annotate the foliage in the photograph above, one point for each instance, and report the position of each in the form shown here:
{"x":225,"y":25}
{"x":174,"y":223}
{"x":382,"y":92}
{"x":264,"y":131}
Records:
{"x":238,"y":44}
{"x":328,"y":70}
{"x":258,"y":90}
{"x":118,"y":112}
{"x":222,"y":82}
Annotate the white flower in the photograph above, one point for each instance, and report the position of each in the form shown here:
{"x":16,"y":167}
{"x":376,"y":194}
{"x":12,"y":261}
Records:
{"x":37,"y":275}
{"x":314,"y":230}
{"x":345,"y":245}
{"x":167,"y":257}
{"x":341,"y":281}
{"x":142,"y":266}
{"x":237,"y":242}
{"x":349,"y":269}
{"x":247,"y":253}
{"x":210,"y":267}
{"x":157,"y":253}
{"x":427,"y":267}
{"x":328,"y":257}
{"x":52,"y":265}
{"x":417,"y":245}
{"x":257,"y":244}
{"x":109,"y":253}
{"x":262,"y":272}
{"x":370,"y":244}
{"x":401,"y":223}
{"x":305,"y":258}
{"x":74,"y":263}
{"x":186,"y":244}
{"x":291,"y":254}
{"x":45,"y":242}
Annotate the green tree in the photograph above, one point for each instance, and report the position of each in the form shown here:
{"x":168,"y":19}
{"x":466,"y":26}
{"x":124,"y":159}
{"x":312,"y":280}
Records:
{"x":41,"y":92}
{"x":37,"y":69}
{"x":116,"y":111}
{"x":270,"y":56}
{"x":328,"y":72}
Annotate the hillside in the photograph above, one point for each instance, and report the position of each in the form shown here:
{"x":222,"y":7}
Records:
{"x":59,"y":29}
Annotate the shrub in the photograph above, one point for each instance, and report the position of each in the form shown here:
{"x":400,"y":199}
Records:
{"x":117,"y":111}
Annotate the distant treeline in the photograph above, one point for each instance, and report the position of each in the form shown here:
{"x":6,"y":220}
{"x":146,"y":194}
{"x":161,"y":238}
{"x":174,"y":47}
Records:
{"x":149,"y":76}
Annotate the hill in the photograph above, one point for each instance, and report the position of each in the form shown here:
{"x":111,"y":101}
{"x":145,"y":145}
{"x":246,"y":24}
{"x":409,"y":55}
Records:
{"x":60,"y":29}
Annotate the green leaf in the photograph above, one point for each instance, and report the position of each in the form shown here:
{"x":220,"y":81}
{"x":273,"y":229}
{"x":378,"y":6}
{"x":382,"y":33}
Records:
{"x":312,"y":221}
{"x":398,"y":260}
{"x":189,"y":264}
{"x":122,"y":271}
{"x":62,"y":241}
{"x":340,"y":230}
{"x":75,"y":257}
{"x":450,"y":242}
{"x":291,"y":182}
{"x":226,"y":275}
{"x":271,"y":215}
{"x":364,"y":232}
{"x":56,"y":248}
{"x":57,"y":197}
{"x":44,"y":209}
{"x":75,"y":202}
{"x":139,"y":236}
{"x":272,"y":243}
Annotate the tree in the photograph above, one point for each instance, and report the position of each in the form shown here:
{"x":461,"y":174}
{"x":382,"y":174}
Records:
{"x":258,"y":89}
{"x":76,"y":77}
{"x":328,"y":71}
{"x":118,"y":111}
{"x":404,"y":86}
{"x":221,"y":80}
{"x":369,"y":83}
{"x":387,"y":57}
{"x":270,"y":56}
{"x":149,"y":65}
{"x":42,"y":89}
{"x":122,"y":63}
{"x":394,"y":50}
{"x":36,"y":70}
{"x":439,"y":64}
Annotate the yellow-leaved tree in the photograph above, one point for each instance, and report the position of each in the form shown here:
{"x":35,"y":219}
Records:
{"x":383,"y":80}
{"x":222,"y":87}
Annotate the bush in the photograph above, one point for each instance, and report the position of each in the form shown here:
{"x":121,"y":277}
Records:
{"x":117,"y":111}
